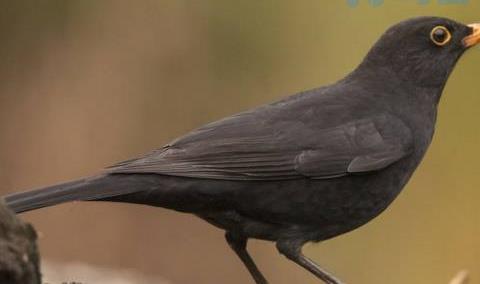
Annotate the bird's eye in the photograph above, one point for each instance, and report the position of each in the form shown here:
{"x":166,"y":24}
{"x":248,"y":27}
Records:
{"x":440,"y":35}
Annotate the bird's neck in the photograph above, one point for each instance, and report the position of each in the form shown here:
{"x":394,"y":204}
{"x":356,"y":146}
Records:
{"x":393,"y":84}
{"x":381,"y":88}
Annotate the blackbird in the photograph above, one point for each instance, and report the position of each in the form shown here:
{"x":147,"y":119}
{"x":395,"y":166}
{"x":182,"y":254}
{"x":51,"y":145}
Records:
{"x":303,"y":169}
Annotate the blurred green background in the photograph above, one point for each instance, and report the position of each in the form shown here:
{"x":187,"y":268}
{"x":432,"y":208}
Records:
{"x":85,"y":84}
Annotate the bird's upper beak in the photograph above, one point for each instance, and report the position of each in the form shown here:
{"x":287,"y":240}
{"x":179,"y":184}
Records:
{"x":474,"y":38}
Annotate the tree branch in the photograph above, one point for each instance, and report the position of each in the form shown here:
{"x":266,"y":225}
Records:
{"x":460,"y":278}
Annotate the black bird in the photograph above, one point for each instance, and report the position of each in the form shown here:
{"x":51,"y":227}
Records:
{"x":307,"y":168}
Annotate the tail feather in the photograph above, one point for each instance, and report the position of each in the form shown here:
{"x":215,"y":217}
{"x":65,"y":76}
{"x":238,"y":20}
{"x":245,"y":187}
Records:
{"x":92,"y":188}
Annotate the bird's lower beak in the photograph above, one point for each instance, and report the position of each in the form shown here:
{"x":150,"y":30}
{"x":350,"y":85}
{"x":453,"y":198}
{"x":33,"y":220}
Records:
{"x":474,"y":38}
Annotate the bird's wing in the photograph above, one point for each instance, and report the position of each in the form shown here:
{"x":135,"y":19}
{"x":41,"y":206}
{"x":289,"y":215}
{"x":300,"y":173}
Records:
{"x":249,"y":147}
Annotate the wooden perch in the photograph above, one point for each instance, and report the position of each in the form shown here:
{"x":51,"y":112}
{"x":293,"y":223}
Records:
{"x":460,"y":278}
{"x":19,"y":258}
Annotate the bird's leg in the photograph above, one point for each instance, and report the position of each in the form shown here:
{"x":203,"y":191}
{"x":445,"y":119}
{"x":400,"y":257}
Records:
{"x":293,"y":251}
{"x":239,"y":245}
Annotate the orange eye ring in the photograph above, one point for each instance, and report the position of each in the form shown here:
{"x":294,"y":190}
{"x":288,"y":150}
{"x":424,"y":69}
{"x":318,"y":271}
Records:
{"x":440,"y":35}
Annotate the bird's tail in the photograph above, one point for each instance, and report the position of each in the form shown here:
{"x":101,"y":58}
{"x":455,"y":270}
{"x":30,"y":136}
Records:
{"x":92,"y":188}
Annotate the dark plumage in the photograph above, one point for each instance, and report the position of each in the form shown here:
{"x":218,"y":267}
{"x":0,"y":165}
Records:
{"x":307,"y":168}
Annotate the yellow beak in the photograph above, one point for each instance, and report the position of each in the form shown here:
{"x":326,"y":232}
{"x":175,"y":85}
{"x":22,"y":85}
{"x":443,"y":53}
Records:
{"x":474,"y":38}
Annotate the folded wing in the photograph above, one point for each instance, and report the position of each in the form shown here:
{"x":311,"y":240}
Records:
{"x":247,"y":147}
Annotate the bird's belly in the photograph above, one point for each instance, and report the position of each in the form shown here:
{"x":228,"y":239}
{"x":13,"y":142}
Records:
{"x":307,"y":210}
{"x":323,"y":209}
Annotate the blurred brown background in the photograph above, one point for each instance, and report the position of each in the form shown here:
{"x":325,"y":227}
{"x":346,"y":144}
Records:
{"x":84,"y":84}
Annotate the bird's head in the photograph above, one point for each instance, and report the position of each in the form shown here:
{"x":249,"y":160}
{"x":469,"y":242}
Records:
{"x":423,"y":50}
